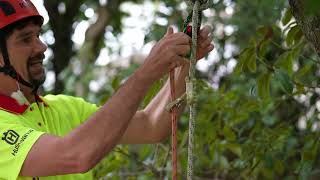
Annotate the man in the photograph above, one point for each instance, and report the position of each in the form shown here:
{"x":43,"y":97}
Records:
{"x":63,"y":137}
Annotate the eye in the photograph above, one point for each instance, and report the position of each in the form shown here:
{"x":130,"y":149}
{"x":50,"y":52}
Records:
{"x":39,"y":34}
{"x":26,"y":39}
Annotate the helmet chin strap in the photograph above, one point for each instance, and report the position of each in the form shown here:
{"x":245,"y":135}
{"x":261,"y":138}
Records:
{"x":8,"y":69}
{"x":19,"y":96}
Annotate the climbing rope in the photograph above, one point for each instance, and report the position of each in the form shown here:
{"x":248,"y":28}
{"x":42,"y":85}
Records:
{"x":195,"y":14}
{"x":190,"y":87}
{"x":174,"y":126}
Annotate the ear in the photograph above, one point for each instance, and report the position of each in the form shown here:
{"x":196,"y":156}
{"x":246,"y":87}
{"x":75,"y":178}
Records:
{"x":1,"y":59}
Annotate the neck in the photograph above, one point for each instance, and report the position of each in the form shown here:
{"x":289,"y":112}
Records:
{"x":9,"y":86}
{"x":28,"y":94}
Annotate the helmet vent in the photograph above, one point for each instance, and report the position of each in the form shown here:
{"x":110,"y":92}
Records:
{"x":7,"y":8}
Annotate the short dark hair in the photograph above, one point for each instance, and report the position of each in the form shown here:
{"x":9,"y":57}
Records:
{"x":8,"y":30}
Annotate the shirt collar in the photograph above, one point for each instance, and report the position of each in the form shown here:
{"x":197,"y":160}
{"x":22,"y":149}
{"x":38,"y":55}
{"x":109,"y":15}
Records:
{"x":11,"y":105}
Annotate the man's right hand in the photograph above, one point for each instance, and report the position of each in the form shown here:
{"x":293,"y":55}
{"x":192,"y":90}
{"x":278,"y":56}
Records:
{"x":168,"y":53}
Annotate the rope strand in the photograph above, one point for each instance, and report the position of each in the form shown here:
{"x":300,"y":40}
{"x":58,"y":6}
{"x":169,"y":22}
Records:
{"x":196,"y":7}
{"x":191,"y":99}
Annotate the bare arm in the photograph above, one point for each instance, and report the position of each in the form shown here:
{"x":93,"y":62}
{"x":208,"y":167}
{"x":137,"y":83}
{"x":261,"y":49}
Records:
{"x":86,"y":145}
{"x":153,"y":124}
{"x":80,"y":150}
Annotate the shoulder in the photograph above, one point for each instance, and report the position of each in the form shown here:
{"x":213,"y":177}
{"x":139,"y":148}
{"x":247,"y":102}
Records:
{"x":6,"y":116}
{"x":68,"y":102}
{"x":63,"y":99}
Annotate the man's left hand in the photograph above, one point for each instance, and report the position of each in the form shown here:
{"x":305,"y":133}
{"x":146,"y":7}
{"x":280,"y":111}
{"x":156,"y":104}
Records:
{"x":204,"y":42}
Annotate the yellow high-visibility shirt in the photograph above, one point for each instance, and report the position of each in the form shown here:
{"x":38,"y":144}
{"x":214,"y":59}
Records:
{"x":22,"y":125}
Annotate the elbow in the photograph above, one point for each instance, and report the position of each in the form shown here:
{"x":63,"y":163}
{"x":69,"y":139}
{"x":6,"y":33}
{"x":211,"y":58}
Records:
{"x":84,"y":168}
{"x":78,"y":161}
{"x":164,"y":137}
{"x":82,"y":163}
{"x":158,"y":132}
{"x":160,"y":137}
{"x":86,"y":161}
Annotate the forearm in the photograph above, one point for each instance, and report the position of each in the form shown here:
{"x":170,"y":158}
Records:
{"x":159,"y":118}
{"x":98,"y":135}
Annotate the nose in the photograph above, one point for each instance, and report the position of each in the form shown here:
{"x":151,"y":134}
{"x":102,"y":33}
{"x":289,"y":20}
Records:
{"x":40,"y":47}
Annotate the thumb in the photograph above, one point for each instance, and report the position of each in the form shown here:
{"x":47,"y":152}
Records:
{"x":169,"y":31}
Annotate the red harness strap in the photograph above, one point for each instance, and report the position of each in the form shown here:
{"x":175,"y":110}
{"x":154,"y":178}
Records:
{"x":174,"y":125}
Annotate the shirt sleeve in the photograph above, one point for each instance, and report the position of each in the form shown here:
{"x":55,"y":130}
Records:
{"x":75,"y":109}
{"x":15,"y":143}
{"x":83,"y":108}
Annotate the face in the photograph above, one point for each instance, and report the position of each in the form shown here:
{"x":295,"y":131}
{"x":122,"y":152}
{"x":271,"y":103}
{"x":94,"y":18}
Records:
{"x":26,"y":53}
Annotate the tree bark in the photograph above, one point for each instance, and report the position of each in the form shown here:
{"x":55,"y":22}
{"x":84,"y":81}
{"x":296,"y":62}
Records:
{"x":61,"y":25}
{"x":309,"y":22}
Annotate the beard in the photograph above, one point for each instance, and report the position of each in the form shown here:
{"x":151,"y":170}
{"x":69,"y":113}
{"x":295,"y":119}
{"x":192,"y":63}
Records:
{"x":36,"y":71}
{"x":37,"y":81}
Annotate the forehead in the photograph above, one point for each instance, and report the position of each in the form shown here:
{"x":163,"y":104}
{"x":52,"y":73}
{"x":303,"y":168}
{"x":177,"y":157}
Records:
{"x":29,"y":28}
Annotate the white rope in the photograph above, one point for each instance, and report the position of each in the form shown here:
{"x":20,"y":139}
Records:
{"x":197,"y":6}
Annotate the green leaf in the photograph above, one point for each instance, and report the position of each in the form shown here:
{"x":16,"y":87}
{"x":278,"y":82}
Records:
{"x":145,"y":151}
{"x":305,"y":171}
{"x":279,"y":167}
{"x":266,"y":32}
{"x":268,"y":160}
{"x":252,"y":62}
{"x":247,"y":57}
{"x":229,"y":134}
{"x":263,"y":47}
{"x":287,"y":17}
{"x":298,"y":36}
{"x":285,"y":61}
{"x":310,"y":153}
{"x":223,"y":162}
{"x":263,"y":83}
{"x":291,"y":36}
{"x":269,"y":120}
{"x":312,"y":7}
{"x":300,"y":89}
{"x":116,"y":82}
{"x":303,"y":71}
{"x":253,"y":91}
{"x":234,"y":148}
{"x":285,"y":80}
{"x":251,"y":106}
{"x":240,"y":68}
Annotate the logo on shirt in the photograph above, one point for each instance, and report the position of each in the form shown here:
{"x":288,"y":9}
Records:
{"x":22,"y":139}
{"x":11,"y":137}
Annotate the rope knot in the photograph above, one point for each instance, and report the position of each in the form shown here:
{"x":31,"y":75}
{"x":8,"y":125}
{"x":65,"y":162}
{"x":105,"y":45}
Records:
{"x":204,"y":4}
{"x":190,"y":90}
{"x":201,"y":1}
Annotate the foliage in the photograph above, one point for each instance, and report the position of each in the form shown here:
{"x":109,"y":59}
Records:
{"x":260,"y":122}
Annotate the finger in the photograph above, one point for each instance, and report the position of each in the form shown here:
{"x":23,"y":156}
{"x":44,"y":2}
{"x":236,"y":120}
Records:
{"x":180,"y":38}
{"x":169,"y":31}
{"x":206,"y":43}
{"x":205,"y":31}
{"x":181,"y":50}
{"x":185,"y":61}
{"x":210,"y":48}
{"x":179,"y":61}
